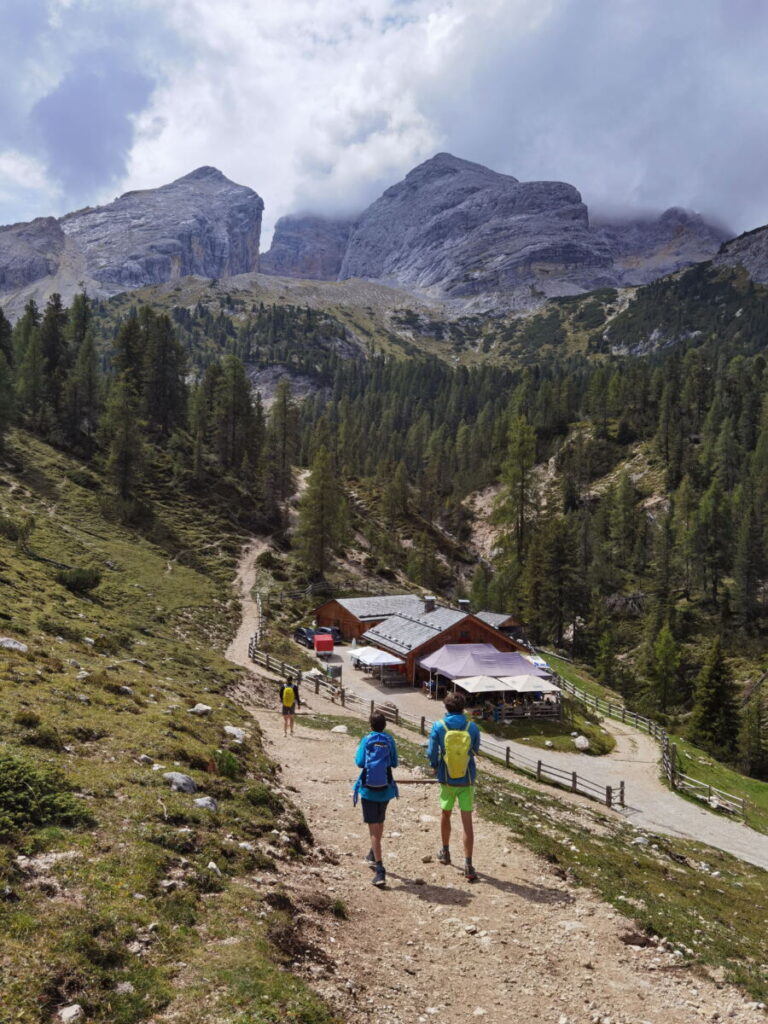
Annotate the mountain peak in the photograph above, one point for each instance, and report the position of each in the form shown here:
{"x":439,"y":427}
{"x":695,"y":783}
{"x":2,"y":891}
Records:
{"x":205,"y":173}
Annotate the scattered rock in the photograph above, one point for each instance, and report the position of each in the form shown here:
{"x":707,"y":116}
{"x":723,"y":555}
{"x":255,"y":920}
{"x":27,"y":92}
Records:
{"x":214,"y":867}
{"x":201,"y":709}
{"x":180,"y":782}
{"x":339,"y":728}
{"x":238,"y":735}
{"x":82,"y":675}
{"x":83,"y":698}
{"x":13,"y":645}
{"x":549,"y":744}
{"x":146,"y":759}
{"x":581,"y":743}
{"x":126,"y":691}
{"x":70,"y":1013}
{"x":124,"y":988}
{"x":207,"y":803}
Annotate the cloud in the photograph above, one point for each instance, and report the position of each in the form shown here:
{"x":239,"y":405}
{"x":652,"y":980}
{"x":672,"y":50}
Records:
{"x":321,"y":104}
{"x":85,"y":124}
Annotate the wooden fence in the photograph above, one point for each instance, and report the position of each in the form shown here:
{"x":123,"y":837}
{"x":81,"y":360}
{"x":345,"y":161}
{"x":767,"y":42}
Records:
{"x":718,"y":799}
{"x":490,"y":746}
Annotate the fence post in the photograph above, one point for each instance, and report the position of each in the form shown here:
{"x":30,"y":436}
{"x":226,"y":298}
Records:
{"x":574,"y":781}
{"x":621,"y":793}
{"x":372,"y":707}
{"x":673,"y":764}
{"x":423,"y":725}
{"x":538,"y":770}
{"x":267,"y":666}
{"x":506,"y":757}
{"x":608,"y":796}
{"x":397,"y":716}
{"x":317,"y":686}
{"x":623,"y":714}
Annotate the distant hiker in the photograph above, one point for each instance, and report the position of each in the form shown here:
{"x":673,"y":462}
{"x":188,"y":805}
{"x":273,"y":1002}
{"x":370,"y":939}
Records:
{"x":376,"y":756}
{"x":453,"y":743}
{"x":289,"y":700}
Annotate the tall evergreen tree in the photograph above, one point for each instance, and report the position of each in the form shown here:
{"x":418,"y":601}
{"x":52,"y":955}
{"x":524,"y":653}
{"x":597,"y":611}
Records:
{"x":753,"y":739}
{"x":515,"y":505}
{"x":714,"y":721}
{"x":6,"y":339}
{"x":323,"y":521}
{"x":164,"y":396}
{"x":6,"y":397}
{"x":122,"y":439}
{"x":83,"y":395}
{"x":282,"y":442}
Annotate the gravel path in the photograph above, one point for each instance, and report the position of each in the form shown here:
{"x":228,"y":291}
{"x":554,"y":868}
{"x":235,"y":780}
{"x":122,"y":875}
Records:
{"x":635,"y":759}
{"x":523,"y":945}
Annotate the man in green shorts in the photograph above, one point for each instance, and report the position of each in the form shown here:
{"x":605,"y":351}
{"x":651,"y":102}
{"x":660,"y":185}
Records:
{"x":453,"y":743}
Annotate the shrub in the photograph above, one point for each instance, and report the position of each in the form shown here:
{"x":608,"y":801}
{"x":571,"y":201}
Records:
{"x":228,"y":765}
{"x":79,"y":581}
{"x":260,"y":795}
{"x":8,"y":528}
{"x":46,"y":737}
{"x":27,"y":719}
{"x":33,"y":796}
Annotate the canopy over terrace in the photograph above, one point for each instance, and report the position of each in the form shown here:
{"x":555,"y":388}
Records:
{"x":373,"y":656}
{"x":483,"y":684}
{"x":526,"y":684}
{"x":458,"y":661}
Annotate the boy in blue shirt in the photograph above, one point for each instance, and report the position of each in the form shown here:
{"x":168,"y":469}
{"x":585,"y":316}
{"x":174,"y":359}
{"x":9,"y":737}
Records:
{"x":462,"y":787}
{"x":376,"y":756}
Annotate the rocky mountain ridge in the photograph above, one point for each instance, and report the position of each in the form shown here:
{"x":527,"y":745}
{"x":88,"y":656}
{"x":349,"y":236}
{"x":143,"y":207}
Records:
{"x":451,"y":231}
{"x":200,"y":224}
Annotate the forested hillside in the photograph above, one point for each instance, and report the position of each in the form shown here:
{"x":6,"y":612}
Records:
{"x":627,"y":435}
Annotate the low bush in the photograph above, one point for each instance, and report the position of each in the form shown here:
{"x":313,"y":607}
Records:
{"x":33,"y":796}
{"x":79,"y":581}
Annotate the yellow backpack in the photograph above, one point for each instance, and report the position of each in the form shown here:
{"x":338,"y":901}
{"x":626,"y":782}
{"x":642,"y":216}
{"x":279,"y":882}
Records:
{"x":456,"y":749}
{"x":289,"y":696}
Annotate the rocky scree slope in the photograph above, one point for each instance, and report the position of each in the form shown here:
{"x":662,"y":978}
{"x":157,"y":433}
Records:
{"x":200,"y":224}
{"x":750,"y":251}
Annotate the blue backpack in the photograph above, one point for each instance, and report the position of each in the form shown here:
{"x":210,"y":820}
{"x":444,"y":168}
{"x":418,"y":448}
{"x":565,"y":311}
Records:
{"x":377,"y":767}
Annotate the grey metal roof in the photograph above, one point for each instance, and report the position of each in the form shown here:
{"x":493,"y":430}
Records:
{"x":404,"y":633}
{"x":494,"y":619}
{"x":382,"y":607}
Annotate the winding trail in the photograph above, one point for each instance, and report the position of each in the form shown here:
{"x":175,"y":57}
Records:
{"x":635,"y":759}
{"x":524,"y":946}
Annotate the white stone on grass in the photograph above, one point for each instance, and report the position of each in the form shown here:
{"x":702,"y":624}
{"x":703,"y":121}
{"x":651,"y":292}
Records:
{"x":180,"y":782}
{"x":201,"y":709}
{"x":13,"y":645}
{"x":339,"y":728}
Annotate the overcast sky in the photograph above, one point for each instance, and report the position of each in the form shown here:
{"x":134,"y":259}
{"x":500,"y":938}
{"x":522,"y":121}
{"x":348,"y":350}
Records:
{"x":321,"y":104}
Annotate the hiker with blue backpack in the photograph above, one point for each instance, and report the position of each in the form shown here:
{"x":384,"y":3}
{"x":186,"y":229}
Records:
{"x":453,"y":743}
{"x":376,"y":757}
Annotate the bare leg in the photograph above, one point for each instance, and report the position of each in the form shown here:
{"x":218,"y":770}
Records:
{"x":469,"y":833}
{"x":285,"y":724}
{"x":445,"y":827}
{"x":291,"y":719}
{"x":376,"y":832}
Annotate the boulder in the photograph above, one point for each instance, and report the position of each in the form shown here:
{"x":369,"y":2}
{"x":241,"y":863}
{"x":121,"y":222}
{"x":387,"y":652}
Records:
{"x":207,"y":803}
{"x":201,"y":709}
{"x":180,"y":782}
{"x":13,"y":645}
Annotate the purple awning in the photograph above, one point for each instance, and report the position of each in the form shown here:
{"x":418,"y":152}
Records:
{"x":456,"y":661}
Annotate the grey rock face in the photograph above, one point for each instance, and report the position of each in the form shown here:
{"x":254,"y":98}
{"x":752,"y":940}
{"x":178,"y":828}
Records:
{"x":462,"y":229}
{"x":750,"y":251}
{"x":200,"y":224}
{"x":29,"y":252}
{"x":646,"y":249}
{"x":308,"y":247}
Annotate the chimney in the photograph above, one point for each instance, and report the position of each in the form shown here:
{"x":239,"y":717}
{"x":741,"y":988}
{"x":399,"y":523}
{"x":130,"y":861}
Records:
{"x":463,"y":604}
{"x":429,"y":603}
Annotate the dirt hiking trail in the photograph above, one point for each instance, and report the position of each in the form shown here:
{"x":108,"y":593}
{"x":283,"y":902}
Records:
{"x":522,"y":945}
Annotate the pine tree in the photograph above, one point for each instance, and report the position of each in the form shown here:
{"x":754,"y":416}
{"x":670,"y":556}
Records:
{"x":6,"y":339}
{"x":282,"y":442}
{"x":83,"y":395}
{"x":323,"y":521}
{"x":714,"y":721}
{"x":663,"y":670}
{"x":6,"y":397}
{"x":30,"y":385}
{"x":122,"y":438}
{"x":517,"y":497}
{"x":232,"y":415}
{"x":56,"y":354}
{"x":128,"y":351}
{"x":753,"y":739}
{"x":164,"y":395}
{"x":605,"y":662}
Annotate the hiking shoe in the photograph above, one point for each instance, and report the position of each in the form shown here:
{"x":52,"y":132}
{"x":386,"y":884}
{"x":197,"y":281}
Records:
{"x":444,"y":857}
{"x":370,"y":860}
{"x":380,"y":878}
{"x":469,"y":873}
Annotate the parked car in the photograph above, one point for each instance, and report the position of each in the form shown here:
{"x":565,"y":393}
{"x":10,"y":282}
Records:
{"x":334,"y":631}
{"x":304,"y":635}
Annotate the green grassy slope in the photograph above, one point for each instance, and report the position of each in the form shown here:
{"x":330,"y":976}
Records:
{"x":105,"y":883}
